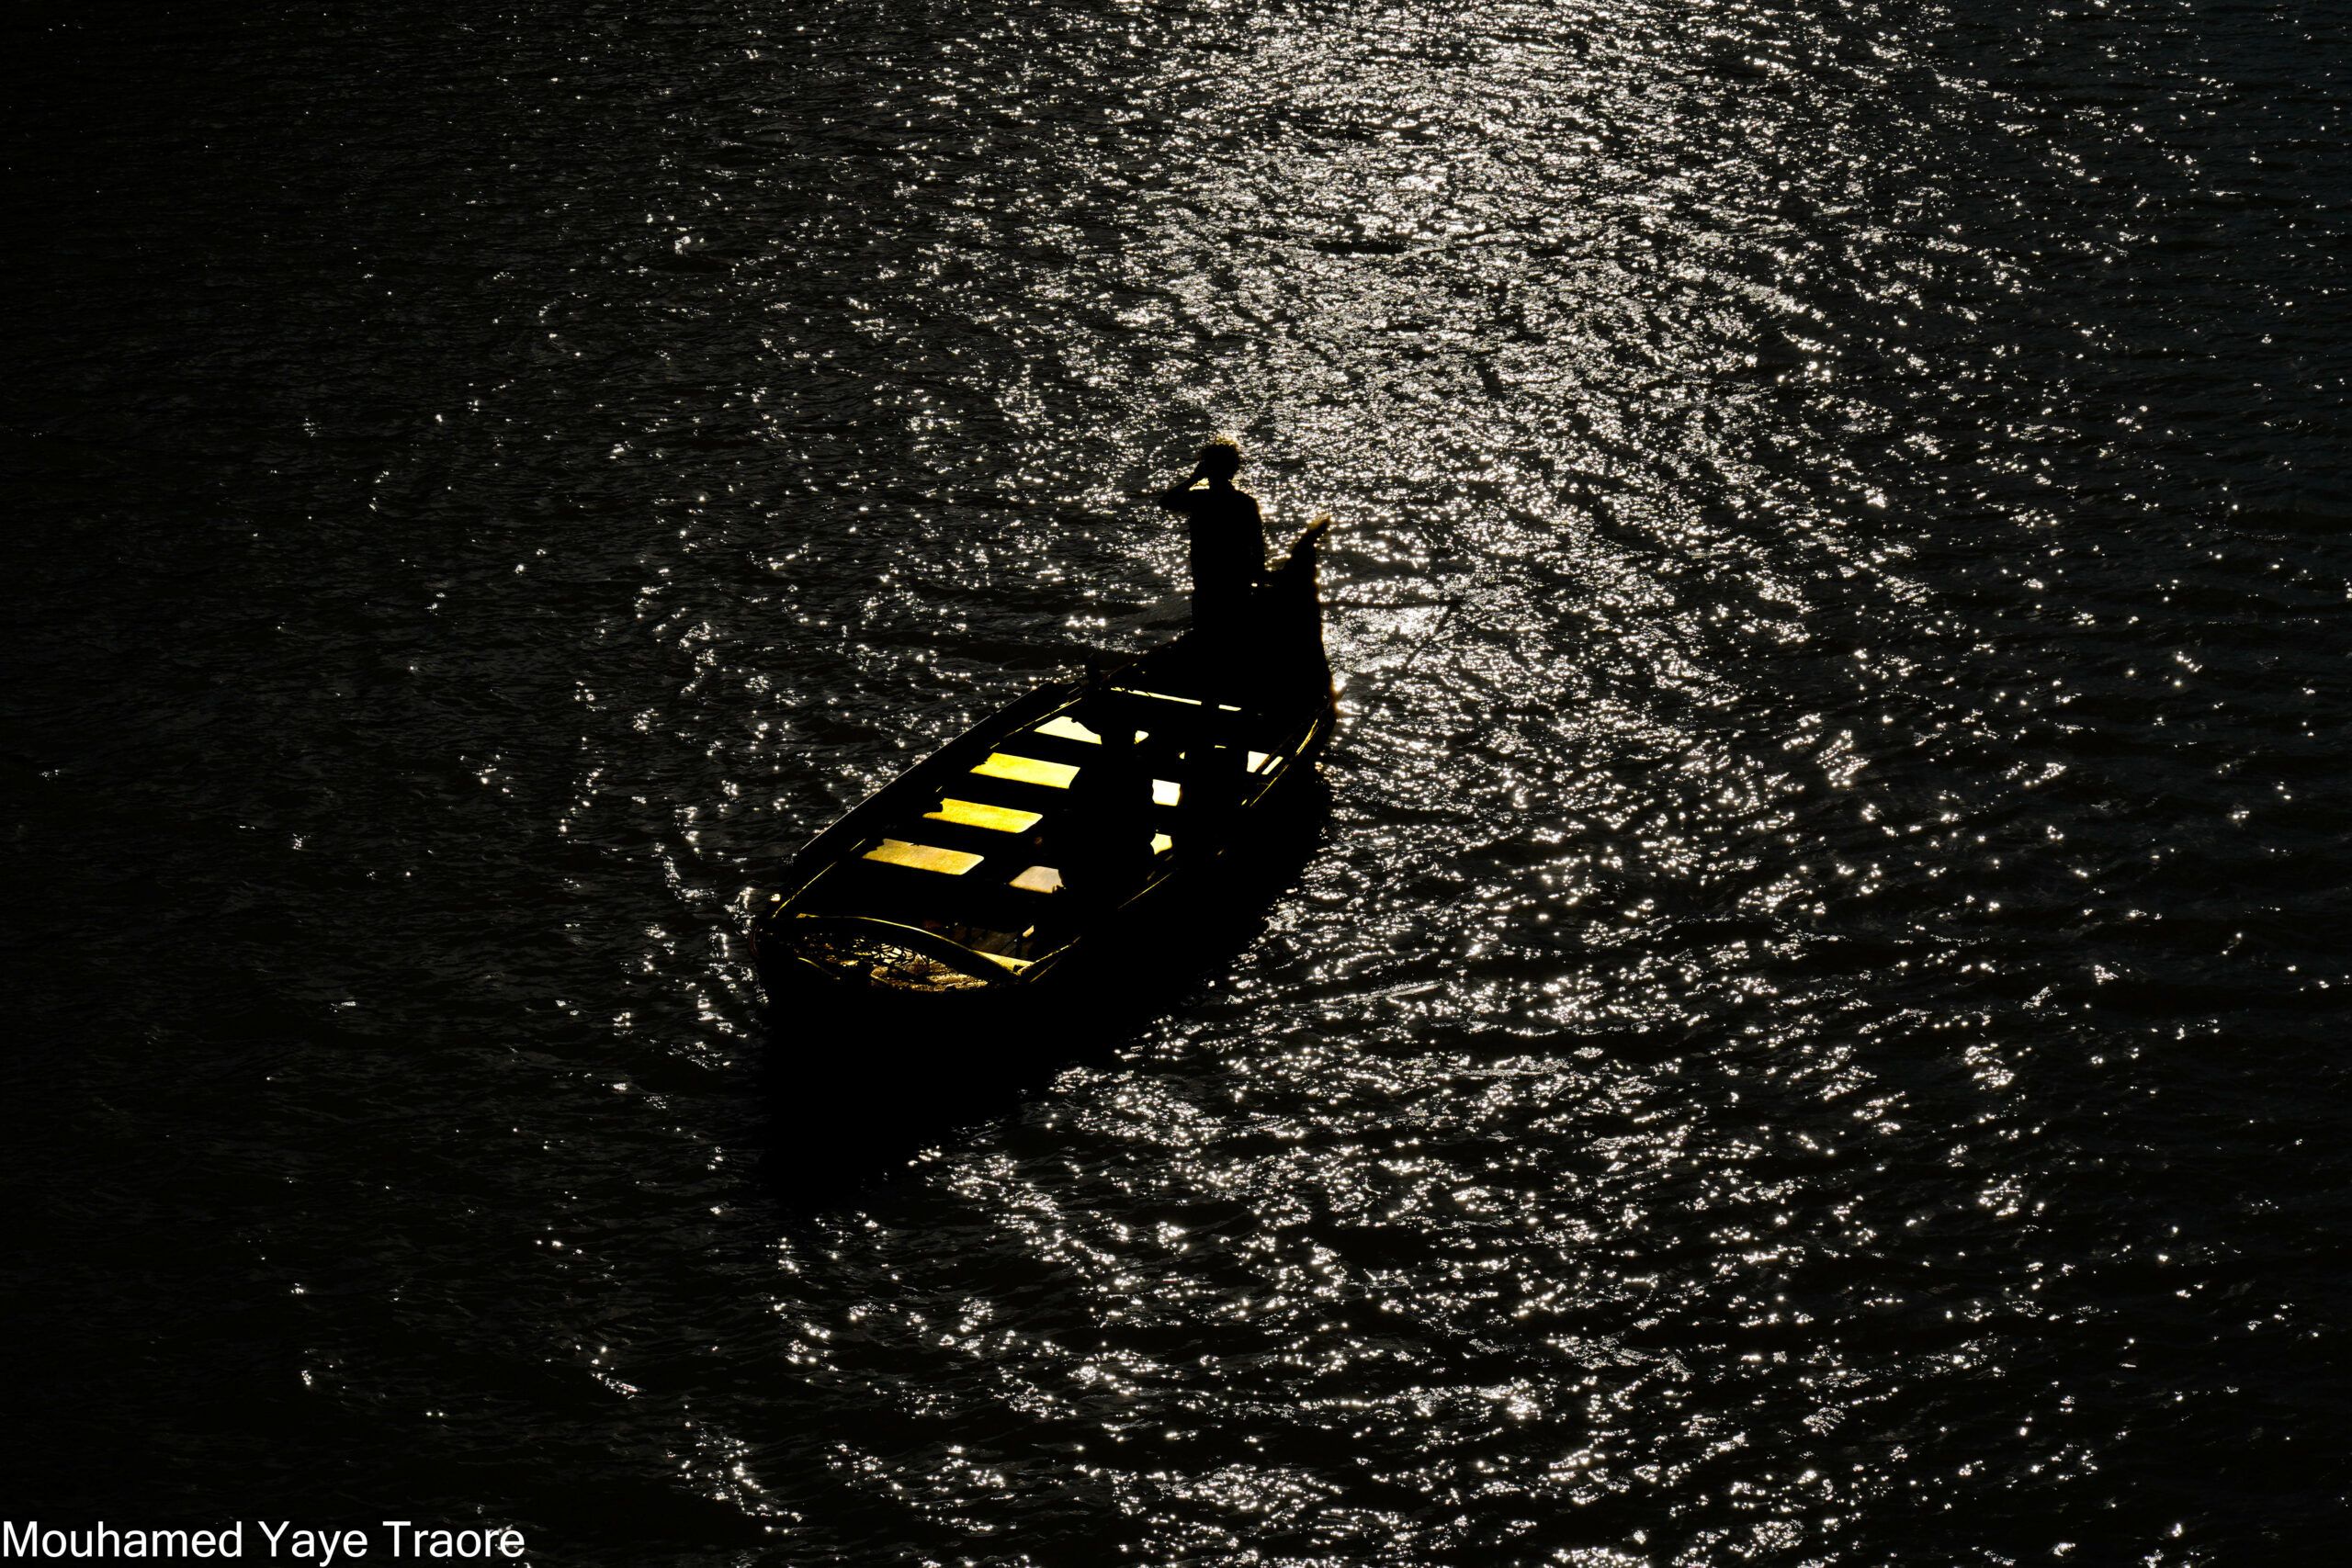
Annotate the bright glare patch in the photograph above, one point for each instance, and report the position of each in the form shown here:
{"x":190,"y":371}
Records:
{"x":1068,"y":729}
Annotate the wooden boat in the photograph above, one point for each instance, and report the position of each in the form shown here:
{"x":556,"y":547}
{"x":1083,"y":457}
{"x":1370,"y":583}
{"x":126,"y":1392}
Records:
{"x":1038,"y":845}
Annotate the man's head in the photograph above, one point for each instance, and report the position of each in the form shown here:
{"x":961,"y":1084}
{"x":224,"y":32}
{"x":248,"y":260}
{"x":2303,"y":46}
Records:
{"x":1221,"y":458}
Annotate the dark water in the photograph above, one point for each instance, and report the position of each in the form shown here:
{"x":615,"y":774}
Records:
{"x":1813,"y":1032}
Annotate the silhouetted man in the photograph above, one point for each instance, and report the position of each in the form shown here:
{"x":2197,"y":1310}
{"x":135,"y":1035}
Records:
{"x":1228,"y":546}
{"x":1228,"y":555}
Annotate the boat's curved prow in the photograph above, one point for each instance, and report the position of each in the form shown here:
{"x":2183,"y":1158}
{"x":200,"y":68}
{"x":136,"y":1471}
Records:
{"x":1293,"y":605}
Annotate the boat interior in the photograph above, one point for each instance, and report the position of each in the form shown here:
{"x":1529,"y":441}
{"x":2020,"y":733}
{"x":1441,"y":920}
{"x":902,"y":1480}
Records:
{"x":1009,"y":855}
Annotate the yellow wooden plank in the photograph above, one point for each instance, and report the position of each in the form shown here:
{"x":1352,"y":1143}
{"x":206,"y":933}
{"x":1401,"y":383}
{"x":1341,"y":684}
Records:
{"x":1039,"y":879}
{"x":1164,"y":792}
{"x":923,"y":857}
{"x":973,"y":814}
{"x":1068,"y":729}
{"x":1161,"y":843}
{"x":1026,"y":769}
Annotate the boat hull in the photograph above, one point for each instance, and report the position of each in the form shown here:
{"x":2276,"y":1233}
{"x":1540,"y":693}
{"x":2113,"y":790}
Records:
{"x":809,"y":953}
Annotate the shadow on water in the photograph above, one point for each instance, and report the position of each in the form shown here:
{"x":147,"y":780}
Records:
{"x":857,"y":1084}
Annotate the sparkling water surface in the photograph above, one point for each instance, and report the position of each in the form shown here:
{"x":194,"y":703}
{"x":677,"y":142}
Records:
{"x":1811,"y":1030}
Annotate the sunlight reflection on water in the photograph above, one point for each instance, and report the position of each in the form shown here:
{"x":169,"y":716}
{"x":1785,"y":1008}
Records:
{"x":1824,"y":786}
